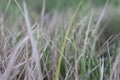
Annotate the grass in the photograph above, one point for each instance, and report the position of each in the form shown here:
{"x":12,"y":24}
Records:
{"x":58,"y":46}
{"x":64,"y":42}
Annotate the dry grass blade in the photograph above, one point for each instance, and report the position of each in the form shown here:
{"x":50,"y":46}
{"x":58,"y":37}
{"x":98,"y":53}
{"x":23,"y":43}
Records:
{"x":13,"y":58}
{"x":34,"y":46}
{"x":115,"y":71}
{"x":42,"y":13}
{"x":100,"y":18}
{"x":102,"y":68}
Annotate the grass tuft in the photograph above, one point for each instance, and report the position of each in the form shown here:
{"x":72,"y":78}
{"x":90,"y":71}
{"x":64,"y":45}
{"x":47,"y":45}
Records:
{"x":60,"y":45}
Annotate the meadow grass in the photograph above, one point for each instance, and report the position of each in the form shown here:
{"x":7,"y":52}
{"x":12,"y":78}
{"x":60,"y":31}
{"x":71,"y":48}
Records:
{"x":58,"y":46}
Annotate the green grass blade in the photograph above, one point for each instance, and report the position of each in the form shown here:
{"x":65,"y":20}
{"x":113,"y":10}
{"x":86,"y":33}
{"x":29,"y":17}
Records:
{"x":64,"y":42}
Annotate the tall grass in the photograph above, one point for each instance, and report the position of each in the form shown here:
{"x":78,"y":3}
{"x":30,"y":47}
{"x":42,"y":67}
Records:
{"x":60,"y":46}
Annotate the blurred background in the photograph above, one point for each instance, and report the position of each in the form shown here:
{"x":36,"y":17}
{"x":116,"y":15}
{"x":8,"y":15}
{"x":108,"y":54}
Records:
{"x":51,"y":5}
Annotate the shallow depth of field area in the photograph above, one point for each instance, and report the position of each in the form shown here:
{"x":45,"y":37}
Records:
{"x":59,"y":40}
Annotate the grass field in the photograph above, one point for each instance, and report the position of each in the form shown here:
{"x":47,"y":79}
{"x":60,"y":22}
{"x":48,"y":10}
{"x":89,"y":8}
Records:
{"x":57,"y":45}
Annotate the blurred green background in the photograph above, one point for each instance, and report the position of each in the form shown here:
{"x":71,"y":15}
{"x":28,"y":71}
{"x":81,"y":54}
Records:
{"x":35,"y":6}
{"x":53,"y":4}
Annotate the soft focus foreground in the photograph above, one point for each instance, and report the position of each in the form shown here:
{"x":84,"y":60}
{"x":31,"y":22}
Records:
{"x":61,"y":45}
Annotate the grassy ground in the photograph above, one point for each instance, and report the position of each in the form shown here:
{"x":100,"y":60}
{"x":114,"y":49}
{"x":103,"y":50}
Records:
{"x":55,"y":46}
